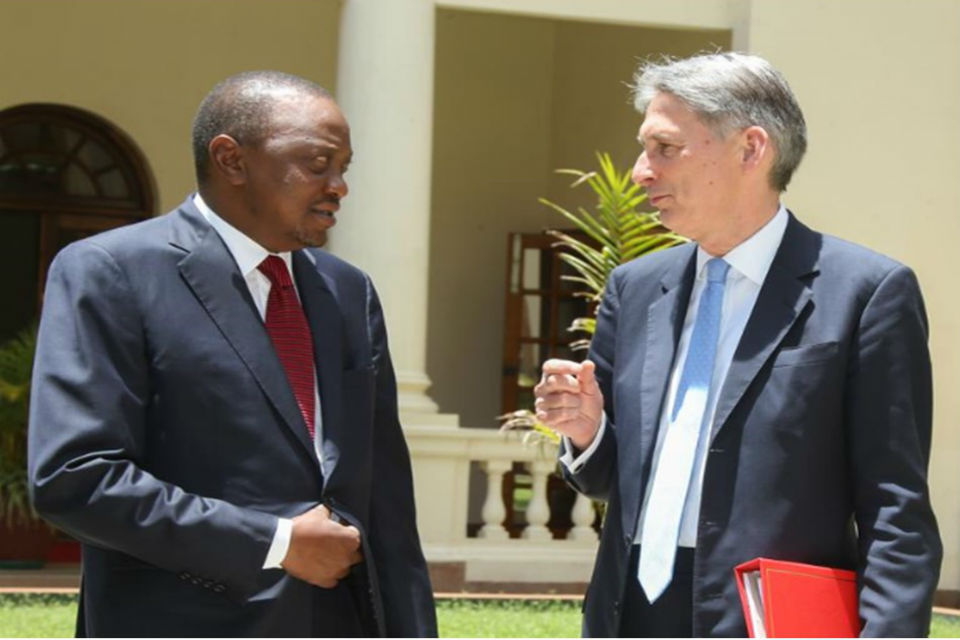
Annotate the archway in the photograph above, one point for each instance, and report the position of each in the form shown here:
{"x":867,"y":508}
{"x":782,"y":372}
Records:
{"x":65,"y":174}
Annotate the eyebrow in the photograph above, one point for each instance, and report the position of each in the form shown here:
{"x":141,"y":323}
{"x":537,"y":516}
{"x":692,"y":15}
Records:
{"x":326,"y":149}
{"x":660,"y":138}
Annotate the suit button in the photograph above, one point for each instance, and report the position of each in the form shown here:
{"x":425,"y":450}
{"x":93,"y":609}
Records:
{"x":627,"y":539}
{"x":716,"y":450}
{"x":196,"y":580}
{"x":208,"y":584}
{"x":183,"y":575}
{"x":219,"y":588}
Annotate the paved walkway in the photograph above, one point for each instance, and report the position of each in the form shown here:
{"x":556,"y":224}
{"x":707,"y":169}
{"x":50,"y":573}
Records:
{"x":51,"y":579}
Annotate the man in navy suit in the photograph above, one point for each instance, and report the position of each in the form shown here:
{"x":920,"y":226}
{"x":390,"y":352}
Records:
{"x":214,"y":410}
{"x":763,"y":391}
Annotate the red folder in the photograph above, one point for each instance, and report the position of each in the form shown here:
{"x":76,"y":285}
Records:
{"x":793,"y":600}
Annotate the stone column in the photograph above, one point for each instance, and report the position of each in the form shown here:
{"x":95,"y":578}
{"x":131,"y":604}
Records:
{"x":385,"y":87}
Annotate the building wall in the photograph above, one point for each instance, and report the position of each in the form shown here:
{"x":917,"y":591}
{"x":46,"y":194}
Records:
{"x":492,"y":114}
{"x":879,"y":83}
{"x":145,"y":66}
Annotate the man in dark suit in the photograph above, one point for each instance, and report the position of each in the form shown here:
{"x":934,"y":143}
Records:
{"x":764,"y":391}
{"x":214,"y":410}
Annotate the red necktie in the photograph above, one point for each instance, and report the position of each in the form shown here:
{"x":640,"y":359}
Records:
{"x":290,"y":334}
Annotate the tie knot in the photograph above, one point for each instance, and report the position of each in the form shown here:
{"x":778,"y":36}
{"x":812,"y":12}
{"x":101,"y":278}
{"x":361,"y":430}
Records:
{"x":717,"y":270}
{"x":276,"y":271}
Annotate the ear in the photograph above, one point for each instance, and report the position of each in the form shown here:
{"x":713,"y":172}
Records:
{"x":756,"y":147}
{"x":226,"y":159}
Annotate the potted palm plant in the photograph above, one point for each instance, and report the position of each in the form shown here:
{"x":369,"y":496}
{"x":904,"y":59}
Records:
{"x":25,"y":539}
{"x":618,"y":232}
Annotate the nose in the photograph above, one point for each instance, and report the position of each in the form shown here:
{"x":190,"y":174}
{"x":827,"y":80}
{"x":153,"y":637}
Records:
{"x":337,"y":185}
{"x":642,"y":172}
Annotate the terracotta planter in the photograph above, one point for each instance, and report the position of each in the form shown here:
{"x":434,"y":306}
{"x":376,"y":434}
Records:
{"x":25,"y":546}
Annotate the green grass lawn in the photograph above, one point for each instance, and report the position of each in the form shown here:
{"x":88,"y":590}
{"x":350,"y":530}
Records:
{"x":508,"y":618}
{"x":37,"y":616}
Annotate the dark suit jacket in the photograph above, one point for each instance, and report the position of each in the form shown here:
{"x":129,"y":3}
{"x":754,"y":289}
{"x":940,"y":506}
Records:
{"x":165,"y":436}
{"x":821,"y":438}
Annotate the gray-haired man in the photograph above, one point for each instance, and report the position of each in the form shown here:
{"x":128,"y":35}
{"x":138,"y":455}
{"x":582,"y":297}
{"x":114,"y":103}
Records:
{"x":764,"y":391}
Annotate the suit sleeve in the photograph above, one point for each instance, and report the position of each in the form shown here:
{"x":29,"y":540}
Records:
{"x":88,"y":427}
{"x":595,"y":476}
{"x":401,"y":568}
{"x":889,"y":418}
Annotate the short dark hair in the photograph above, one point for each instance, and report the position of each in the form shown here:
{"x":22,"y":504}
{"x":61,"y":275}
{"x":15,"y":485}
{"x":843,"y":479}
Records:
{"x":240,"y":107}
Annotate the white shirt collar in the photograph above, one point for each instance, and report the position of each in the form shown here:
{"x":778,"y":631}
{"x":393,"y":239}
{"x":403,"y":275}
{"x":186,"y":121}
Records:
{"x":753,"y":256}
{"x":247,"y":253}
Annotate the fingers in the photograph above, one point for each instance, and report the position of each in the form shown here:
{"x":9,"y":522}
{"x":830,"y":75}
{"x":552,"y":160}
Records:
{"x":324,"y":584}
{"x":558,"y":376}
{"x":565,"y":376}
{"x":587,"y":376}
{"x":556,"y":417}
{"x":555,"y":366}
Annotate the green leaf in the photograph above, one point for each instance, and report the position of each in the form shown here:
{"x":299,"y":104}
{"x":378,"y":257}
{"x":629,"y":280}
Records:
{"x":615,"y":231}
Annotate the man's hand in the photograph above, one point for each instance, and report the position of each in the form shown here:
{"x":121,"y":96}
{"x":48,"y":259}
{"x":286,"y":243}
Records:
{"x":569,"y":400}
{"x":321,"y":550}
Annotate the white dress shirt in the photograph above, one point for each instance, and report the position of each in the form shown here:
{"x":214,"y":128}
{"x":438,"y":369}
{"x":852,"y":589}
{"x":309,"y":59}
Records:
{"x":248,"y":255}
{"x":749,"y":263}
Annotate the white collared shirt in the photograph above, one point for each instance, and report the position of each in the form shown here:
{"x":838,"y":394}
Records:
{"x":749,"y":263}
{"x":248,"y":255}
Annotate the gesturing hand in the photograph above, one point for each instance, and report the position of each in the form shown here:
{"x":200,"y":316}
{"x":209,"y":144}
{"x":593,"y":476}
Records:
{"x":569,"y":400}
{"x":321,"y":550}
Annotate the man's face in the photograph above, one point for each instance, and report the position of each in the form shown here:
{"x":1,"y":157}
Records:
{"x":691,"y":176}
{"x":295,"y":176}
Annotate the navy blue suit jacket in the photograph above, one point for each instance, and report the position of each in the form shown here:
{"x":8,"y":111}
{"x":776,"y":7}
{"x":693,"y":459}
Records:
{"x":165,"y":436}
{"x":820,"y":443}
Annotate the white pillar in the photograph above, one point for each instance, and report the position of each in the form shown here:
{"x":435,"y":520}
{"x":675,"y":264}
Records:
{"x":494,"y":511}
{"x":582,"y":516}
{"x":538,"y":511}
{"x":385,"y":88}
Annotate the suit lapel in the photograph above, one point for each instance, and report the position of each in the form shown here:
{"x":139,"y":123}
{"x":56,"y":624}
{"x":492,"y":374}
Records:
{"x":210,"y":271}
{"x":782,"y":299}
{"x":664,"y":324}
{"x":326,"y":325}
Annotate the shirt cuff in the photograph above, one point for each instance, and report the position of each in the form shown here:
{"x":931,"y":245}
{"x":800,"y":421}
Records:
{"x":574,"y":465}
{"x":280,"y":544}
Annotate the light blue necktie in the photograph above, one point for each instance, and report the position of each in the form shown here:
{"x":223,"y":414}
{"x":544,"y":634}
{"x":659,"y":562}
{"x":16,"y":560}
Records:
{"x":671,"y":479}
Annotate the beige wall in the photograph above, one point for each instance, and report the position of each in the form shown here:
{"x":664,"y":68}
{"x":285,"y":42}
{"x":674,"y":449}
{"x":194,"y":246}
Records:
{"x":145,"y":66}
{"x":516,"y":98}
{"x":492,"y":109}
{"x":879,"y":82}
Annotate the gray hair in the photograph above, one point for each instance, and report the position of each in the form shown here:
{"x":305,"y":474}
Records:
{"x":241,"y":107}
{"x":732,"y":91}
